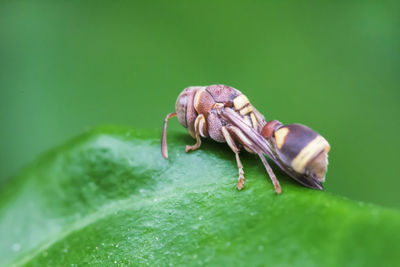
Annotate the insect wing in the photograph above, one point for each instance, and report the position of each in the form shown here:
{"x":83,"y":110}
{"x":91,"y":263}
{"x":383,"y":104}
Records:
{"x":308,"y":181}
{"x":261,"y":145}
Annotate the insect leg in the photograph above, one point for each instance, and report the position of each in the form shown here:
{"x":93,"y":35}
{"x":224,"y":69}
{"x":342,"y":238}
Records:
{"x":241,"y":137}
{"x":198,"y":125}
{"x":271,"y":174}
{"x":164,"y":149}
{"x":232,"y":145}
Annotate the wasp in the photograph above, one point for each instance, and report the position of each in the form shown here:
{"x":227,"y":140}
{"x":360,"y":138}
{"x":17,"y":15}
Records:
{"x":224,"y":114}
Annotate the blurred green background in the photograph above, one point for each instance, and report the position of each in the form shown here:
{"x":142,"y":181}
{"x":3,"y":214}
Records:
{"x":66,"y":66}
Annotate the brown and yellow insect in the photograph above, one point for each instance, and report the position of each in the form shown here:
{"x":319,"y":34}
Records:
{"x":225,"y":114}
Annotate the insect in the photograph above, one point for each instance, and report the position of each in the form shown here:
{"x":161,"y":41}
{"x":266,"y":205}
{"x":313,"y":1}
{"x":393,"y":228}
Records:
{"x":224,"y":114}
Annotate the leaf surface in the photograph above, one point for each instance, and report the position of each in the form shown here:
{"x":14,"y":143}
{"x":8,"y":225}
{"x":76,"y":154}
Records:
{"x":109,"y":198}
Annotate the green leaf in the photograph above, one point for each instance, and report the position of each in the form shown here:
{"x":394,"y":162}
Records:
{"x":109,"y":198}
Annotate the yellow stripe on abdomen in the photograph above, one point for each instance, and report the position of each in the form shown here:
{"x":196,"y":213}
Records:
{"x":311,"y":150}
{"x":280,"y":136}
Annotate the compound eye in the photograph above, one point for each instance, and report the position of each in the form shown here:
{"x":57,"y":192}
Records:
{"x":184,"y":106}
{"x":269,"y":129}
{"x":180,"y":107}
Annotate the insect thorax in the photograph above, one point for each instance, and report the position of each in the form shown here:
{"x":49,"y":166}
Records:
{"x":214,"y":97}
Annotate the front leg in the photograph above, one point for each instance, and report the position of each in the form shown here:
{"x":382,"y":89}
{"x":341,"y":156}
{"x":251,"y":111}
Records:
{"x":199,"y":125}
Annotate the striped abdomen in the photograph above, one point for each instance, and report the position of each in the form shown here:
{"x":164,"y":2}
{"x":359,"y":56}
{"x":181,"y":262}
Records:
{"x":303,"y":149}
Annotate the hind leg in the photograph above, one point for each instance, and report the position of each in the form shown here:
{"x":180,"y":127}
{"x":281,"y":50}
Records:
{"x":247,"y":144}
